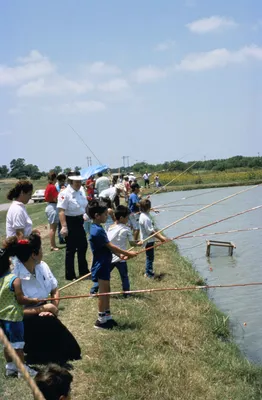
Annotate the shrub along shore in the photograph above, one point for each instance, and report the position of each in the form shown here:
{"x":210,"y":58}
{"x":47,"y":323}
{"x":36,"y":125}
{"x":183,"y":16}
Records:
{"x":169,"y":345}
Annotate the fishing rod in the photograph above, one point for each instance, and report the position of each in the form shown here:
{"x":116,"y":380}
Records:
{"x":176,"y":177}
{"x":84,"y":143}
{"x":185,"y":198}
{"x":201,"y":227}
{"x":220,"y":233}
{"x":38,"y":395}
{"x":177,"y":289}
{"x":197,"y":211}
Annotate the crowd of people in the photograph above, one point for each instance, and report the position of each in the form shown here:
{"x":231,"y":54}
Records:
{"x":76,"y":211}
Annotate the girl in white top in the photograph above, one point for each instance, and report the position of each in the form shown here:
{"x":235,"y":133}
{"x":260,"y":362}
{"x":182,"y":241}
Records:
{"x":18,"y":222}
{"x":46,"y":338}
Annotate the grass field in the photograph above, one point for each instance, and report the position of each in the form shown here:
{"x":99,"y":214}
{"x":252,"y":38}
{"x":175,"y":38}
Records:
{"x":7,"y":184}
{"x":168,"y":345}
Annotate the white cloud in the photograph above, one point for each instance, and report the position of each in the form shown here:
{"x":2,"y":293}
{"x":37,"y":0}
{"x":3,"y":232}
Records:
{"x":101,"y":68}
{"x":211,"y":24}
{"x":114,"y":85}
{"x":219,"y":58}
{"x":33,"y":66}
{"x":57,"y":85}
{"x":33,"y":56}
{"x":148,"y":74}
{"x":164,"y":46}
{"x":82,"y":107}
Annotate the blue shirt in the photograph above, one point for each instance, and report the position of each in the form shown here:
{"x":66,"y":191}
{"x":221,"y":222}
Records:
{"x":98,"y":239}
{"x":133,"y":199}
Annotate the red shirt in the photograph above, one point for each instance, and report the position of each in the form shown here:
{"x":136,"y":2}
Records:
{"x":90,"y":183}
{"x":51,"y":193}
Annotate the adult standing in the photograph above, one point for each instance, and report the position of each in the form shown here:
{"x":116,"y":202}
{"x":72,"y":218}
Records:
{"x":46,"y":338}
{"x":146,"y":180}
{"x":72,"y":206}
{"x":102,"y":183}
{"x":51,"y":211}
{"x":90,"y":187}
{"x":18,"y":222}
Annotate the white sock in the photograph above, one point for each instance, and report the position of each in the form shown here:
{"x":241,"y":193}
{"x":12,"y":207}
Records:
{"x":11,"y":365}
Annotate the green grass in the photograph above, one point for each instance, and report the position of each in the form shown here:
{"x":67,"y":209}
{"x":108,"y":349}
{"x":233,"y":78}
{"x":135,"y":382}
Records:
{"x":169,"y":345}
{"x":7,"y":184}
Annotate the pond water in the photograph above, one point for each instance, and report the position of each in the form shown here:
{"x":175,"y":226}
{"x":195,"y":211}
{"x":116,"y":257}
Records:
{"x":243,"y":304}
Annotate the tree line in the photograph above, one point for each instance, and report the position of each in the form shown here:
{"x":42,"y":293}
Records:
{"x":19,"y":169}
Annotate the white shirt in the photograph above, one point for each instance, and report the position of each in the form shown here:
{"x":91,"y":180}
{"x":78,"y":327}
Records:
{"x":17,"y":218}
{"x":102,"y":183}
{"x":38,"y":285}
{"x":119,"y":234}
{"x":146,"y":227}
{"x":109,"y":193}
{"x":146,"y":176}
{"x":74,"y":202}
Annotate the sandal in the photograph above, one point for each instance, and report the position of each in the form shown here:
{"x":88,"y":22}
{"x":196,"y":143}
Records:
{"x":54,"y":248}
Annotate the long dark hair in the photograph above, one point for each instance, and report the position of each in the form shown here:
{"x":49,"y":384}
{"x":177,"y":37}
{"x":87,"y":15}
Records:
{"x":23,"y":248}
{"x":21,"y":186}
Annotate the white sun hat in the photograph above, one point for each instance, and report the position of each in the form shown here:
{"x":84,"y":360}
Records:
{"x":120,"y":186}
{"x":76,"y":178}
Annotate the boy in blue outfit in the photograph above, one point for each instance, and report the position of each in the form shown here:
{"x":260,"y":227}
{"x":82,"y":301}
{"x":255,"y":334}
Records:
{"x":102,"y":251}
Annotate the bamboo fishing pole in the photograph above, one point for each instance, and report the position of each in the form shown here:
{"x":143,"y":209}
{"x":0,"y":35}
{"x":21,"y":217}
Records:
{"x":36,"y":392}
{"x":197,"y":211}
{"x":220,"y":233}
{"x":178,"y":289}
{"x":75,"y":281}
{"x":185,"y":198}
{"x":176,"y":177}
{"x":202,"y":227}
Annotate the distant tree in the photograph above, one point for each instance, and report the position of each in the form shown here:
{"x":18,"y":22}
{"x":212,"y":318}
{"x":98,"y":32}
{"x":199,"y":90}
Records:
{"x":17,"y":164}
{"x":57,"y":169}
{"x":77,"y":168}
{"x":3,"y":171}
{"x":67,"y":170}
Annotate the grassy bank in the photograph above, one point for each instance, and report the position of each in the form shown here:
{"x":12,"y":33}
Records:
{"x":7,"y":184}
{"x":168,"y":345}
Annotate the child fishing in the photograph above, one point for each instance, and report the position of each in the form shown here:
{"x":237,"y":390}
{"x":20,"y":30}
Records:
{"x":147,"y":230}
{"x":119,"y":234}
{"x":102,"y":250}
{"x":11,"y":311}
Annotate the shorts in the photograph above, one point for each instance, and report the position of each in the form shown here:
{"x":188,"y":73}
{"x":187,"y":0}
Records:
{"x":52,"y":213}
{"x":14,"y":331}
{"x":100,"y":272}
{"x":134,"y":221}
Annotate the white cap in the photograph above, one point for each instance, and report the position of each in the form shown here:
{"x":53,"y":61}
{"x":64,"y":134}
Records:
{"x":76,"y":178}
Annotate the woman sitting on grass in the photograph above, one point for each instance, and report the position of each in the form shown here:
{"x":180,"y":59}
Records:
{"x":46,"y":338}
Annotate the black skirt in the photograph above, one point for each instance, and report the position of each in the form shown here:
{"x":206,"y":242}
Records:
{"x":48,"y":340}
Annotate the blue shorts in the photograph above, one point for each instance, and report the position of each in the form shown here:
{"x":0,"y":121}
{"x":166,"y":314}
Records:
{"x":14,"y":332}
{"x":52,"y":213}
{"x":101,"y":272}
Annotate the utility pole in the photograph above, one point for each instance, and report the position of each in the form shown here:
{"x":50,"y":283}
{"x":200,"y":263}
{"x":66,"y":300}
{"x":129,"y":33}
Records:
{"x":124,"y":161}
{"x":89,"y":161}
{"x":127,"y":161}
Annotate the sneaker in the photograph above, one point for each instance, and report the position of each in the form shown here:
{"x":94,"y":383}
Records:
{"x":149,"y":276}
{"x":102,"y":325}
{"x":112,"y":322}
{"x":32,"y":372}
{"x":11,"y":372}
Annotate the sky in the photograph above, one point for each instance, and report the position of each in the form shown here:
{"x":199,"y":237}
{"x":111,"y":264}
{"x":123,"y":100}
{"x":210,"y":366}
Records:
{"x":154,"y":80}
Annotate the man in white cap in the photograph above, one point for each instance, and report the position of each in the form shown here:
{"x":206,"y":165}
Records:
{"x":72,"y":206}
